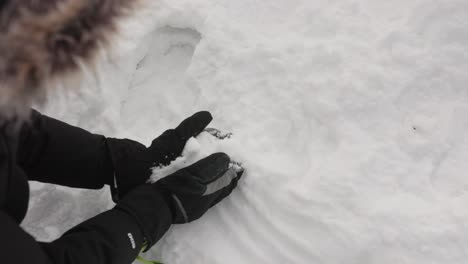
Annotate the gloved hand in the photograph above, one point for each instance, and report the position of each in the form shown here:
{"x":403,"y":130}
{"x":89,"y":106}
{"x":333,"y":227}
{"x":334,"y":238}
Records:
{"x":181,"y":197}
{"x":191,"y":191}
{"x":132,"y":161}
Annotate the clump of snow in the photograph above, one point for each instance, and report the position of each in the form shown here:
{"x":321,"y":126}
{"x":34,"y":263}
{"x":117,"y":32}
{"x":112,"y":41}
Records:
{"x":349,"y":115}
{"x":196,"y":149}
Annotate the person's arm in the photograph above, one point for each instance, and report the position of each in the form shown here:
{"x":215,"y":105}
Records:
{"x":142,"y":217}
{"x":137,"y":222}
{"x":114,"y":237}
{"x":52,"y":151}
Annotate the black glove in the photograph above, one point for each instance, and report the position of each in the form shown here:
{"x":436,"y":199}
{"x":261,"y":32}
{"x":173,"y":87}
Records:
{"x":191,"y":191}
{"x":181,"y":197}
{"x":133,"y":162}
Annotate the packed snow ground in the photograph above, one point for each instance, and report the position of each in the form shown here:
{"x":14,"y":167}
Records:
{"x":350,"y":117}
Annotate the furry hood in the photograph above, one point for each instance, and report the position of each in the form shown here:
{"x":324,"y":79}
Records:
{"x":42,"y":40}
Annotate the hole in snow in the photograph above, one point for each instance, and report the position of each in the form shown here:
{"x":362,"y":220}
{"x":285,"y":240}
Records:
{"x":160,"y":73}
{"x":169,"y":53}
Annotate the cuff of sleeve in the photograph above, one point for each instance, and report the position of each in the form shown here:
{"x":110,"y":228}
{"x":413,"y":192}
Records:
{"x":150,"y":211}
{"x":131,"y":165}
{"x":110,"y":237}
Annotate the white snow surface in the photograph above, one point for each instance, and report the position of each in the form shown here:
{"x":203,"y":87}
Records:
{"x":349,"y":116}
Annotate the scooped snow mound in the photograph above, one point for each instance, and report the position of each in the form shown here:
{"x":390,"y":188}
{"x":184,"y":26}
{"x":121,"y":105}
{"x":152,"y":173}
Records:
{"x":196,"y":149}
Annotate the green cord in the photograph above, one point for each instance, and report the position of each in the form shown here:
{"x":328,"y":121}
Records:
{"x":145,"y":261}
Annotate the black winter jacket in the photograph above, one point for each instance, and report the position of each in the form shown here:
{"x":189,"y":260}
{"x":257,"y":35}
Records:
{"x":50,"y":151}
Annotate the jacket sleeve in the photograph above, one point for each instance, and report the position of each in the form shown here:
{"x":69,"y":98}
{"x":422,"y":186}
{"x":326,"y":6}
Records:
{"x":52,"y":151}
{"x":112,"y":237}
{"x":116,"y":236}
{"x":17,"y":246}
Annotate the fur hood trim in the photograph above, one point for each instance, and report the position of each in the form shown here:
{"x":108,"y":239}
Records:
{"x":41,"y":40}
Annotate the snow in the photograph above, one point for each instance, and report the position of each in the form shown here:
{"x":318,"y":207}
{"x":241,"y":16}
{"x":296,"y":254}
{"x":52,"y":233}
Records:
{"x":349,"y":116}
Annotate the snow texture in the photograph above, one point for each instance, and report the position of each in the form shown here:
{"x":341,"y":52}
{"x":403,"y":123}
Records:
{"x":350,"y":117}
